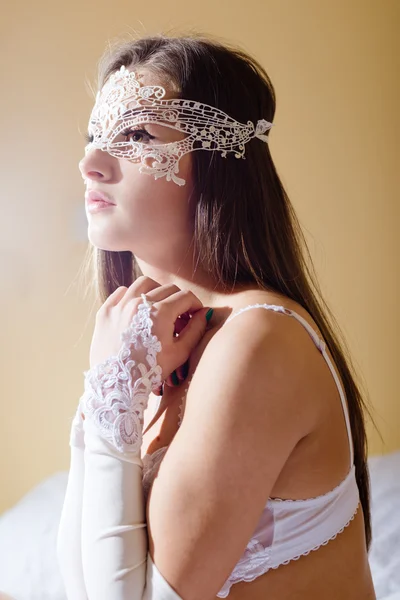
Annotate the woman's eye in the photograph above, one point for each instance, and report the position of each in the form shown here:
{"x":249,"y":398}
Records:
{"x":137,"y":135}
{"x":134,"y":133}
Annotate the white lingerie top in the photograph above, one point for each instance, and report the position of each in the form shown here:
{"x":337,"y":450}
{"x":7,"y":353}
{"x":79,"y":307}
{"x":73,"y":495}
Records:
{"x":287,"y":529}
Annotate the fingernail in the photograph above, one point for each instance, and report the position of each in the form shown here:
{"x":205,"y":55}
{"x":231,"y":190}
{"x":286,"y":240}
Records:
{"x":182,"y":371}
{"x":209,"y":314}
{"x":174,"y":378}
{"x":179,"y":373}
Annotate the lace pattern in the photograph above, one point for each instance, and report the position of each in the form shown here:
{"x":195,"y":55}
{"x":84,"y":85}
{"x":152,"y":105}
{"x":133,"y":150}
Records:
{"x":151,"y":465}
{"x":117,"y":390}
{"x":332,"y":492}
{"x":124,"y":103}
{"x":260,"y":559}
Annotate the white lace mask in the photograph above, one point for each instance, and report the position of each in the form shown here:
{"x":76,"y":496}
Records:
{"x":124,"y":104}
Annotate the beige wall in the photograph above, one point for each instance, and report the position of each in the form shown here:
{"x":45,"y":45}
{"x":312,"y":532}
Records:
{"x":335,"y":144}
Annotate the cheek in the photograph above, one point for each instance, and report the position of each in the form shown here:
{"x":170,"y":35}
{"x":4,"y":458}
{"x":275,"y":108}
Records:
{"x":185,"y":170}
{"x":156,"y":202}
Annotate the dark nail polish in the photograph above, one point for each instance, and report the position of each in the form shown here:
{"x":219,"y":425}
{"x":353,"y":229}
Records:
{"x":209,"y":314}
{"x":174,"y":378}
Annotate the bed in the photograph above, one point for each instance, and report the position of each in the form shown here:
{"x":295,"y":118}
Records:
{"x":28,"y":563}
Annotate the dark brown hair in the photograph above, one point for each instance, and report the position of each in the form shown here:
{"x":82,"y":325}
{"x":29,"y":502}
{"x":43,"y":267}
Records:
{"x":245,"y":228}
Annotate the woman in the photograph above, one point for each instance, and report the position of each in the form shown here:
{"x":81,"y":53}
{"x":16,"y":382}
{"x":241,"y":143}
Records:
{"x":254,"y":462}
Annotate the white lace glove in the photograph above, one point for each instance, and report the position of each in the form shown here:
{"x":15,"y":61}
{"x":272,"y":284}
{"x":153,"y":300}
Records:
{"x":102,"y":542}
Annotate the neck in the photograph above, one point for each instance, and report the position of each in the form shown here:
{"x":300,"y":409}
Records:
{"x":211,"y":294}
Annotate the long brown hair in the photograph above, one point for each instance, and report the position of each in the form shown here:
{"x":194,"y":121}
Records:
{"x":245,"y":228}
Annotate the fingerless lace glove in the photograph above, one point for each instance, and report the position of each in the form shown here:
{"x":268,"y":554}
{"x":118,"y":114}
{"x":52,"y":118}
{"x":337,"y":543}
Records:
{"x":102,"y":541}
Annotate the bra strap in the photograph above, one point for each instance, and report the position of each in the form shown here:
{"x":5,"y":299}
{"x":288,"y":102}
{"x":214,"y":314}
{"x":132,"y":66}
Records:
{"x":321,"y":345}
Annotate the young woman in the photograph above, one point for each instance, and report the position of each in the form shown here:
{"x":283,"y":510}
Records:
{"x":209,"y":456}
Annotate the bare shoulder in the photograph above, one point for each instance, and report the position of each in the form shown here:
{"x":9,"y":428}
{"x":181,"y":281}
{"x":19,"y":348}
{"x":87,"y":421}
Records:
{"x":249,"y":322}
{"x":254,"y":299}
{"x":263,"y":355}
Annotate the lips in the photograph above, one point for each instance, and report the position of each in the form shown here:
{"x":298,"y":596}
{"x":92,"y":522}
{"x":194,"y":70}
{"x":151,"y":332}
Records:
{"x":93,"y":196}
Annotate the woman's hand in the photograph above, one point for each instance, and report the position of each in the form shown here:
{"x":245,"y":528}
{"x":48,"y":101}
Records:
{"x":180,"y":374}
{"x":170,"y":303}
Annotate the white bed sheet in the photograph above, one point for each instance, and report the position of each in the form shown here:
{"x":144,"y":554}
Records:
{"x":28,"y":532}
{"x":384,"y":555}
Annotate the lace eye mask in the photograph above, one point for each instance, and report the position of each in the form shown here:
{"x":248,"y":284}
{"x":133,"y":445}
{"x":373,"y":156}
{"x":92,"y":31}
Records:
{"x":125,"y":104}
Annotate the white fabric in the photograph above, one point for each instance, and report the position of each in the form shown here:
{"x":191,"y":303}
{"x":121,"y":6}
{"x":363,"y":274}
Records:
{"x":111,"y":528}
{"x":102,"y":544}
{"x":117,"y":391}
{"x":69,"y":550}
{"x":384,"y":556}
{"x":123,"y":105}
{"x":157,"y":587}
{"x":29,"y":568}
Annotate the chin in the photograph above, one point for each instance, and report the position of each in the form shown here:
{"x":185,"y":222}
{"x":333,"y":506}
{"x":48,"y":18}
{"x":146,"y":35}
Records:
{"x":104,"y":242}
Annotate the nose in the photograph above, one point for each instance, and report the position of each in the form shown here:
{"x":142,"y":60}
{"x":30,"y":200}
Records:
{"x":96,"y":165}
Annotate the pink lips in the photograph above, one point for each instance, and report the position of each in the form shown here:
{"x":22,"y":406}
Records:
{"x":97,"y":201}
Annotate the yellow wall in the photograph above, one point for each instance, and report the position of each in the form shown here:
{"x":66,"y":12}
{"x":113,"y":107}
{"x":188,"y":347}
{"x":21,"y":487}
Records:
{"x":335,"y":144}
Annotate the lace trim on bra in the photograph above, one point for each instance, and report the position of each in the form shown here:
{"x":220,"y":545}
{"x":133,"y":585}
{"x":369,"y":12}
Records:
{"x":257,"y":553}
{"x":334,"y":536}
{"x":324,"y":495}
{"x":248,"y":578}
{"x":151,"y":464}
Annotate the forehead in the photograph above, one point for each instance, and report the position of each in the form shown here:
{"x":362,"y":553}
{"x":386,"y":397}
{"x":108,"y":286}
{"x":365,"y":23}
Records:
{"x":147,"y":77}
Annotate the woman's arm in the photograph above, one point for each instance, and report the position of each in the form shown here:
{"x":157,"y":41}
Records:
{"x":247,"y":407}
{"x":114,"y":534}
{"x":117,"y":390}
{"x":116,"y":563}
{"x":109,"y":516}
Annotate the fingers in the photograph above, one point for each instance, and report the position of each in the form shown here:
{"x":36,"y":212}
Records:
{"x":174,"y":379}
{"x":177,"y":300}
{"x":183,"y":371}
{"x":122,"y":295}
{"x":195,"y":329}
{"x":178,"y":376}
{"x":183,"y":301}
{"x":116,"y":296}
{"x":181,"y":323}
{"x":141,"y":285}
{"x":160,"y":293}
